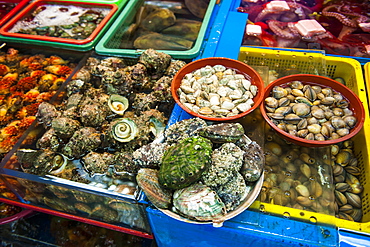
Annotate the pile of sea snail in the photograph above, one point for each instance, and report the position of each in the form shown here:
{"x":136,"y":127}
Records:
{"x":310,"y":111}
{"x":319,"y":180}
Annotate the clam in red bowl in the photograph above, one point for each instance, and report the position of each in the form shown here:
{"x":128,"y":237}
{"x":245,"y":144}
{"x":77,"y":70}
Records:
{"x":234,"y":101}
{"x":353,"y":102}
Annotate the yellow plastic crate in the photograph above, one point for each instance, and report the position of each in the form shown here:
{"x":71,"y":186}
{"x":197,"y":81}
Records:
{"x":367,"y":80}
{"x":316,"y":63}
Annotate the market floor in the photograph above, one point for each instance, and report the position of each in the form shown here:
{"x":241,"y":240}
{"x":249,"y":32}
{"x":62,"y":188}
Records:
{"x":47,"y":230}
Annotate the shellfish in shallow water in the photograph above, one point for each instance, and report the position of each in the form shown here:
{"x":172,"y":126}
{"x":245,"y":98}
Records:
{"x":200,"y":202}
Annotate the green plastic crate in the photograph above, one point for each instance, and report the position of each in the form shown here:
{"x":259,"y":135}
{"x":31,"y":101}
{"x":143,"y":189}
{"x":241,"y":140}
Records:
{"x":68,"y":46}
{"x":109,"y":44}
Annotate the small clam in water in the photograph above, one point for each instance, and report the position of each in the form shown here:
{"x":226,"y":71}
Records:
{"x":297,"y":177}
{"x":327,"y":112}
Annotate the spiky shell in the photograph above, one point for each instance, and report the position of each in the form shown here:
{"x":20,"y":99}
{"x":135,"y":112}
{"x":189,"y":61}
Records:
{"x":199,"y":202}
{"x":147,"y":179}
{"x":184,"y":162}
{"x":223,"y":132}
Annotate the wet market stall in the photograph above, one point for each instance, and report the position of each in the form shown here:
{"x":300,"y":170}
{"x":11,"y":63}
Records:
{"x":233,"y":122}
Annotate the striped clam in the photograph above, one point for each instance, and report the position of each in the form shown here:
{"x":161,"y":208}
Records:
{"x":310,"y":111}
{"x":217,"y":91}
{"x":348,"y":188}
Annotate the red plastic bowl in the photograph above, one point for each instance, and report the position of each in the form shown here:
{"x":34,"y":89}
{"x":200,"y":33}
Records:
{"x":26,"y":12}
{"x":238,"y":66}
{"x":354,"y":104}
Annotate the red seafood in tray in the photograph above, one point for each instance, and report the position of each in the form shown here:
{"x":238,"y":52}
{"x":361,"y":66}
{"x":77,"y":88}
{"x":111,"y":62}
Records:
{"x":338,"y":27}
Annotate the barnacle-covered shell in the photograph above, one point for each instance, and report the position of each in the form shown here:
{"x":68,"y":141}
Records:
{"x":184,"y":162}
{"x":223,"y":132}
{"x":65,"y":127}
{"x":147,"y":179}
{"x":253,"y":162}
{"x":95,"y":162}
{"x":199,"y":202}
{"x":118,"y":104}
{"x":124,"y":129}
{"x":46,"y":113}
{"x":83,"y":140}
{"x":150,"y":155}
{"x":183,"y":129}
{"x":226,"y":161}
{"x":233,"y":192}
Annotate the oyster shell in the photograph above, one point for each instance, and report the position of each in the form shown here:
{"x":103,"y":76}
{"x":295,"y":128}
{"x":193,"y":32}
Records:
{"x":183,"y":129}
{"x":226,"y":161}
{"x":233,"y":192}
{"x":184,"y":162}
{"x":223,"y":132}
{"x":199,"y":202}
{"x":150,"y":155}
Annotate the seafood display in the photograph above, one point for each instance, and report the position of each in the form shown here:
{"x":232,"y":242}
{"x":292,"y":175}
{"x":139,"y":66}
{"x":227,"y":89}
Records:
{"x":323,"y":180}
{"x":165,"y":26}
{"x":25,"y":82}
{"x":112,"y":107}
{"x":217,"y":91}
{"x":6,"y":7}
{"x":7,"y":210}
{"x":61,"y":21}
{"x":297,"y":177}
{"x":338,"y":27}
{"x":108,"y":209}
{"x":309,"y":111}
{"x":348,"y":188}
{"x":206,"y":171}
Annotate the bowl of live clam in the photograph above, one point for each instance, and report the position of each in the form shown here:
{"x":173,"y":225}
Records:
{"x":217,"y":89}
{"x":312,"y":110}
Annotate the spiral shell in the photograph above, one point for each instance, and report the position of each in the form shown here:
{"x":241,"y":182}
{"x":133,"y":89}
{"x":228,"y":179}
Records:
{"x":118,"y":104}
{"x":124,"y":130}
